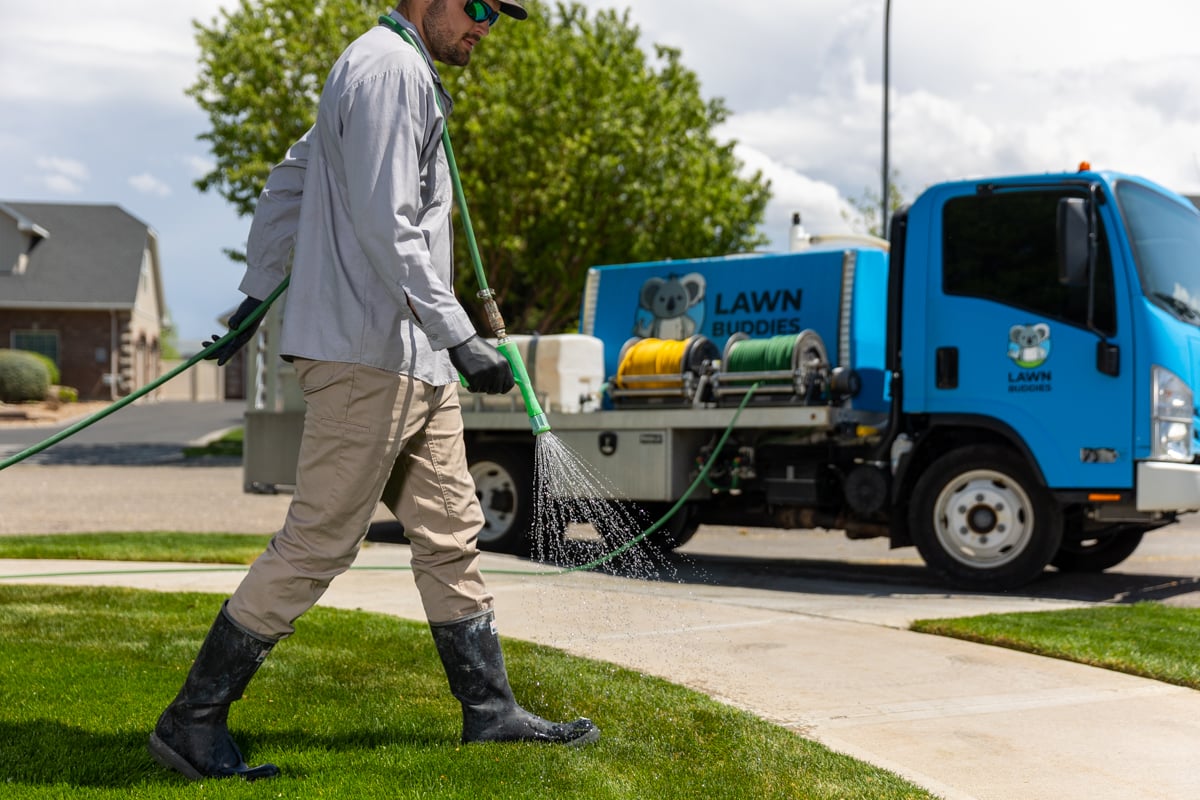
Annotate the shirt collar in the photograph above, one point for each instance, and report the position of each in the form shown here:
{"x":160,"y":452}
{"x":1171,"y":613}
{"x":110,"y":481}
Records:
{"x":447,"y":100}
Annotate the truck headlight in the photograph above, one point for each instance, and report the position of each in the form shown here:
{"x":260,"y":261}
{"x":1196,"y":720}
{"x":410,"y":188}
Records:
{"x":1173,"y":417}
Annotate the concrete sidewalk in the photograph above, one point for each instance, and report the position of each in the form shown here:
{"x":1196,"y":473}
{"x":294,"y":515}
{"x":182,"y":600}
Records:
{"x":831,"y":662}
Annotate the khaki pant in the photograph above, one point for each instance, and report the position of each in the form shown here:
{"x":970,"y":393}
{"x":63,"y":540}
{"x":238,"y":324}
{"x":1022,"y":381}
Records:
{"x":366,"y":429}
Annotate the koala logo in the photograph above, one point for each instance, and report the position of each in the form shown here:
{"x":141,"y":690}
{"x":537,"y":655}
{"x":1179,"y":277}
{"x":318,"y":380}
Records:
{"x":669,"y":308}
{"x":1029,"y":345}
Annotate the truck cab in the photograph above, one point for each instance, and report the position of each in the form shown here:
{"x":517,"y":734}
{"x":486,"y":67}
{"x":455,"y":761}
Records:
{"x":1045,"y":334}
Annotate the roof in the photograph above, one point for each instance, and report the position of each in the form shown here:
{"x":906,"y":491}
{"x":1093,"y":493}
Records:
{"x":90,"y":256}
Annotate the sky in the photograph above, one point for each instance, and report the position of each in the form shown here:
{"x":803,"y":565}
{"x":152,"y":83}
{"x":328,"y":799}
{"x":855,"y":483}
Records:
{"x":94,"y":110}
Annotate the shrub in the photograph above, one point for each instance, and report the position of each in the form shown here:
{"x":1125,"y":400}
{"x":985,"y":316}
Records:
{"x":51,"y":367}
{"x":68,"y":394}
{"x":22,"y":377}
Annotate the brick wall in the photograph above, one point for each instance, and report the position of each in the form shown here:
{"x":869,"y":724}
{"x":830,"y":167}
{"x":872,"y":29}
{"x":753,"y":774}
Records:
{"x":85,"y":341}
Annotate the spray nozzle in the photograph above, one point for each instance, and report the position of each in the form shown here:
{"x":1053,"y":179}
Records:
{"x":537,"y":418}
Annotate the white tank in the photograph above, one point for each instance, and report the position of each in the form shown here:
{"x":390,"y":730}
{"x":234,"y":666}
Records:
{"x":566,"y":370}
{"x":799,"y":238}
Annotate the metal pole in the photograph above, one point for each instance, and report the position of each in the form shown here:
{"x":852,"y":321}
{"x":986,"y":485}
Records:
{"x":887,"y":27}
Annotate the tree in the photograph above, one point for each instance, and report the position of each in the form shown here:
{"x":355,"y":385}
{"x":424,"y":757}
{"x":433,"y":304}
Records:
{"x":262,"y":66}
{"x":575,"y":149}
{"x":865,"y":218}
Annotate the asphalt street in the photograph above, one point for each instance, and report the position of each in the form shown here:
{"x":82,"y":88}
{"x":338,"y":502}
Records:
{"x":141,"y":433}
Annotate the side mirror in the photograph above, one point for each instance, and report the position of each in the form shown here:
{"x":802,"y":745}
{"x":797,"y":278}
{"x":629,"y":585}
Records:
{"x":1074,"y":242}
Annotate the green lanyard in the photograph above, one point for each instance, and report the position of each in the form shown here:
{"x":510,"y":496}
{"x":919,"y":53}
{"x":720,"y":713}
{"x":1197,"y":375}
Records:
{"x":472,"y":245}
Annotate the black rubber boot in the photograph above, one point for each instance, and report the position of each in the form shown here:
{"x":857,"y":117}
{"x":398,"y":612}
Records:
{"x":191,"y":737}
{"x":474,"y":662}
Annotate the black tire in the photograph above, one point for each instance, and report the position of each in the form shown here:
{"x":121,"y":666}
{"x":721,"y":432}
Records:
{"x":503,"y":476}
{"x":676,"y":532}
{"x":630,"y":520}
{"x":982,"y":521}
{"x":1099,"y":554}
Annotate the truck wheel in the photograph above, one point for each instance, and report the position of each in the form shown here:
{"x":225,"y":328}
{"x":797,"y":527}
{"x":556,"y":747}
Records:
{"x":981,"y":521}
{"x":504,"y":485}
{"x":675,"y":532}
{"x":1097,"y":555}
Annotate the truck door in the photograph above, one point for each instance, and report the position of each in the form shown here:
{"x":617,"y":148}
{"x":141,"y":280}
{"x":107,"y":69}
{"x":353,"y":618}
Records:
{"x":1005,"y":339}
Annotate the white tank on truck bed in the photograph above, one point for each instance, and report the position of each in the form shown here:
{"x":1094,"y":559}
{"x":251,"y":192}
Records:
{"x":566,"y":370}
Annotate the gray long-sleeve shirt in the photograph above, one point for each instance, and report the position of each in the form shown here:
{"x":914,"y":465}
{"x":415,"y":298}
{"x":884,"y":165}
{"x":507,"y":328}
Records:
{"x":364,"y":199}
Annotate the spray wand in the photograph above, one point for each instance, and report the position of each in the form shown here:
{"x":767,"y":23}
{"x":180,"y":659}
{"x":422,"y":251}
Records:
{"x":537,"y":419}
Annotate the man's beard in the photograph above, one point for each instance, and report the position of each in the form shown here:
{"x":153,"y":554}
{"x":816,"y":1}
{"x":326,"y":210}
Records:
{"x":444,"y":45}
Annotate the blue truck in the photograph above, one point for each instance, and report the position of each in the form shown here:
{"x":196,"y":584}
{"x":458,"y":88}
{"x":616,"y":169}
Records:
{"x":1006,"y":383}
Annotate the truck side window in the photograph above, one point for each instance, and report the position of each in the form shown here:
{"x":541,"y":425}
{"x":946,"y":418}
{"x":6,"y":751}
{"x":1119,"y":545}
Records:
{"x":1001,"y":247}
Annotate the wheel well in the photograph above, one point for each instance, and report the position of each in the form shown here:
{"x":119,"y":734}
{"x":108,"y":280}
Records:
{"x":935,"y":441}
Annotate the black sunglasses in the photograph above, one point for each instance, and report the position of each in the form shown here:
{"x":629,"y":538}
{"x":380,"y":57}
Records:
{"x":481,"y":12}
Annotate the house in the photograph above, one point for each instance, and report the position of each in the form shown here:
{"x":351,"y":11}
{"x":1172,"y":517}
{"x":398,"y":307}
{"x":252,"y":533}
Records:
{"x":82,"y":283}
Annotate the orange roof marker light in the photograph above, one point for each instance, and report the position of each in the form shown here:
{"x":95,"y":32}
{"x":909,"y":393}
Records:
{"x":1085,"y":166}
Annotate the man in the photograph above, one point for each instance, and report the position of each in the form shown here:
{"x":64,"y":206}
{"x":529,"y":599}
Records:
{"x":362,"y":205}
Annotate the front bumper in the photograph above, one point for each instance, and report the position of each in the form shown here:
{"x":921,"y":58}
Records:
{"x":1167,"y":486}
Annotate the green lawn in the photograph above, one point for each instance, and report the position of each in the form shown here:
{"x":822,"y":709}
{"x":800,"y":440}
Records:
{"x":205,"y":548}
{"x":230,"y":444}
{"x":355,"y":705}
{"x":1147,"y":639}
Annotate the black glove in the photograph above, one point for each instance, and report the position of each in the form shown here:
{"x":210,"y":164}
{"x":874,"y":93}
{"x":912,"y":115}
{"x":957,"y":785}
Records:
{"x":227,"y":350}
{"x":484,"y":367}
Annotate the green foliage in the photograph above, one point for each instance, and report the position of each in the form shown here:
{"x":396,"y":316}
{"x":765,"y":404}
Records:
{"x":601,"y":156}
{"x":23,"y":376}
{"x":1148,"y":639}
{"x":168,"y":342}
{"x":51,"y":368}
{"x":575,"y":147}
{"x":68,"y":394}
{"x":262,"y":66}
{"x":355,"y":705}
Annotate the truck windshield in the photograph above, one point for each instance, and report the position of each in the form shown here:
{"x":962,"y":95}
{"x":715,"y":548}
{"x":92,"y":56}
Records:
{"x":1165,"y":236}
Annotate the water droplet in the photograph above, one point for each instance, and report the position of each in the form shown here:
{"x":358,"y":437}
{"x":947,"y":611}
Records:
{"x":582,"y":521}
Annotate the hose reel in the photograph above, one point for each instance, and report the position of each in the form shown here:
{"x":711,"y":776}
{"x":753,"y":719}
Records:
{"x":786,"y":367}
{"x":664,"y":371}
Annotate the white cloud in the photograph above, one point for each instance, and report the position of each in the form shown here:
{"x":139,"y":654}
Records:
{"x":199,"y":166}
{"x":67,"y":167}
{"x":148,"y":184}
{"x":821,"y":207}
{"x":79,"y":53}
{"x":62,"y":175}
{"x":61,"y":184}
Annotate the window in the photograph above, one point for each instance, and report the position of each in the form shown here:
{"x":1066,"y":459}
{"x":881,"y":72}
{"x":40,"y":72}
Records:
{"x":1003,"y":247}
{"x":1165,"y":236}
{"x":44,"y":342}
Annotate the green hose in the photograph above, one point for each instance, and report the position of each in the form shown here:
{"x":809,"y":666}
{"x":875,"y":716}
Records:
{"x":762,"y":355}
